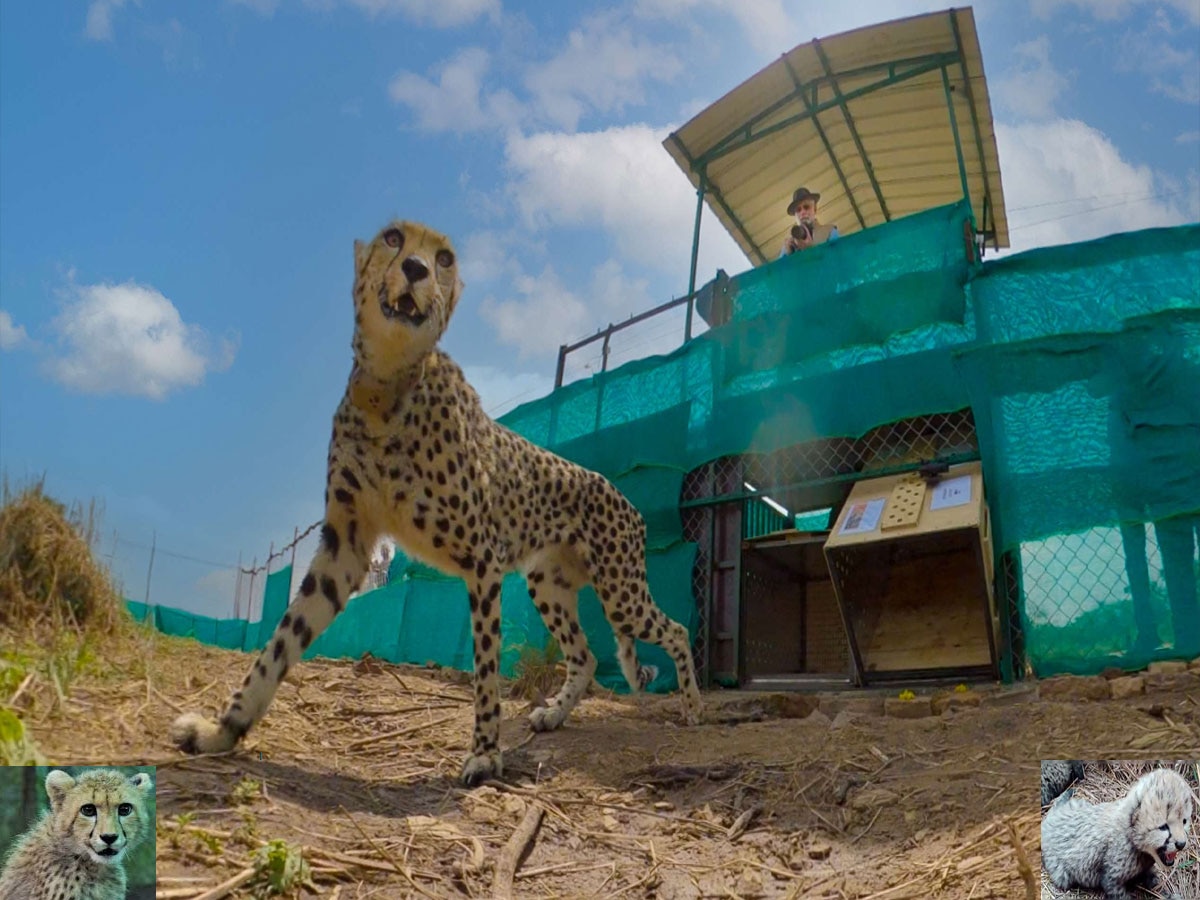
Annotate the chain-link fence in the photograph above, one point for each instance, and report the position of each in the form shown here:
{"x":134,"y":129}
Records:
{"x":738,"y":498}
{"x":1119,"y":595}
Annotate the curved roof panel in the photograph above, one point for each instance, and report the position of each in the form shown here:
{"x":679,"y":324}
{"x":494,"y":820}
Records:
{"x":866,"y":118}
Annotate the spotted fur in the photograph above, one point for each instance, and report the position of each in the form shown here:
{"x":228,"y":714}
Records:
{"x":414,"y":457}
{"x":75,"y":851}
{"x":1057,"y":775}
{"x":1112,"y":847}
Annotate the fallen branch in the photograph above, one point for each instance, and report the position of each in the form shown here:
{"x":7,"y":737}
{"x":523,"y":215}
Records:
{"x":514,"y":851}
{"x":671,"y":776}
{"x":400,"y":870}
{"x":226,"y":887}
{"x":1022,"y":862}
{"x":374,"y":739}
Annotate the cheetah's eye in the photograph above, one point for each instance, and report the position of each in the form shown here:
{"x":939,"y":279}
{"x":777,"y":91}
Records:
{"x":394,"y":238}
{"x":124,"y":809}
{"x":88,"y":809}
{"x":445,"y":259}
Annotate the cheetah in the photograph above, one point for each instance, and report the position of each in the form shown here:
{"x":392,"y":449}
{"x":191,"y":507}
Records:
{"x":413,"y":456}
{"x":75,"y":850}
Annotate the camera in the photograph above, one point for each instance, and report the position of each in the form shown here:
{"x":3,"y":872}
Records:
{"x":802,"y":232}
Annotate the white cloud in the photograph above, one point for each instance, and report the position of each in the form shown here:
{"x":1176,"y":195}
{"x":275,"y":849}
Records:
{"x":99,"y":19}
{"x":456,"y":101}
{"x":439,"y":13}
{"x":1032,"y":86}
{"x":485,"y":257}
{"x":1111,"y":10}
{"x":130,"y":339}
{"x":621,"y":180}
{"x":602,"y":67}
{"x":501,"y":390}
{"x":543,"y":316}
{"x":11,"y":334}
{"x":763,"y":22}
{"x":1165,"y":54}
{"x":772,"y":27}
{"x":262,"y":7}
{"x":1065,"y":181}
{"x":1188,"y":137}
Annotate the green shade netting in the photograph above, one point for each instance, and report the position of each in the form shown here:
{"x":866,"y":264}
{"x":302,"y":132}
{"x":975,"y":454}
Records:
{"x":1079,"y":363}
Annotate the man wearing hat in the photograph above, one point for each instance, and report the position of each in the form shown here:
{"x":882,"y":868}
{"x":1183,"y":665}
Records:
{"x":807,"y":230}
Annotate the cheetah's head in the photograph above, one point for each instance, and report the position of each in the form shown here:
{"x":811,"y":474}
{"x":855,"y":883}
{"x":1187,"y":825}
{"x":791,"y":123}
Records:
{"x":1161,"y":811}
{"x":406,"y":285}
{"x":101,"y":813}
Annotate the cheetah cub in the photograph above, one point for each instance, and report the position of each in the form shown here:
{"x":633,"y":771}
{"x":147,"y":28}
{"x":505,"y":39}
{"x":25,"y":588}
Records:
{"x":1113,"y":847}
{"x":414,"y":456}
{"x":75,"y":851}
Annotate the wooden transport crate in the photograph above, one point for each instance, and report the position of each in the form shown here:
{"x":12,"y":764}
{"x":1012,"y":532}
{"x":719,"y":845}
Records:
{"x":911,"y":565}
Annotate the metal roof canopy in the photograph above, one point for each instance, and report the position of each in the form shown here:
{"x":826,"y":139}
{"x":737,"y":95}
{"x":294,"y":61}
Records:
{"x":882,"y":121}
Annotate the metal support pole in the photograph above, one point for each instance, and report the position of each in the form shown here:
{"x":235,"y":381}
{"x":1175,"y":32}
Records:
{"x":962,"y":166}
{"x":250,"y":594}
{"x":150,"y":568}
{"x":687,"y":327}
{"x":562,"y":360}
{"x":292,"y":580}
{"x":237,"y":588}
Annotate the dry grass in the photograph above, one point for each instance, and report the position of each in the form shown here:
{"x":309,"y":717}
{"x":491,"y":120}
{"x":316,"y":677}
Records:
{"x":537,"y":672}
{"x":1108,"y":780}
{"x":48,"y":578}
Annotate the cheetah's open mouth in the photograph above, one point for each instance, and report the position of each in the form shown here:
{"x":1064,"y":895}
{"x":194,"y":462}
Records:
{"x":1167,"y":857}
{"x":108,"y":851}
{"x":403,"y":307}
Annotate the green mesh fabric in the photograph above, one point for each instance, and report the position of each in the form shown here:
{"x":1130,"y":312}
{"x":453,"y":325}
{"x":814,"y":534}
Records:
{"x":1081,"y":365}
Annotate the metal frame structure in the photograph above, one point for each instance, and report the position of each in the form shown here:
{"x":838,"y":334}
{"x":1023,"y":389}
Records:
{"x":824,"y":92}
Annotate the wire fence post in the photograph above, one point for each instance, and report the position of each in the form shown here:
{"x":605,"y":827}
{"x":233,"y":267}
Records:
{"x":237,"y":588}
{"x":150,"y":568}
{"x":250,"y":595}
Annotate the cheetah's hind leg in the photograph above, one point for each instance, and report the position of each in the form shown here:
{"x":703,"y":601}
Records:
{"x":638,"y":676}
{"x":554,"y":588}
{"x":641,"y":618}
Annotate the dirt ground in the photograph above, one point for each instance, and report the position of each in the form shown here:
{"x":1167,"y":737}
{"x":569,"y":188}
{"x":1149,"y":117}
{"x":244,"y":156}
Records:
{"x":358,"y":762}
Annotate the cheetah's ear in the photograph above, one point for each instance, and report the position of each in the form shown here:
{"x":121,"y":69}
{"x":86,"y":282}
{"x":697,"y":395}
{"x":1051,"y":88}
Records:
{"x":360,"y":257}
{"x":142,"y":782}
{"x":58,"y":783}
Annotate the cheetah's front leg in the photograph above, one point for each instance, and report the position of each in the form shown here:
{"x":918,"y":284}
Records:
{"x":485,"y":759}
{"x":337,"y":569}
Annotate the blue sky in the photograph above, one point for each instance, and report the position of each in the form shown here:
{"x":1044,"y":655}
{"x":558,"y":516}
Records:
{"x":181,"y":184}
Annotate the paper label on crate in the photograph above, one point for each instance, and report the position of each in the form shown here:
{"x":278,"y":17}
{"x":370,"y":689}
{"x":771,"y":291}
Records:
{"x":952,"y":492}
{"x":862,"y":516}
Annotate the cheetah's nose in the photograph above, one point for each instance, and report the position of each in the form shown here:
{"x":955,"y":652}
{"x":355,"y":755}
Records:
{"x":1180,"y":844}
{"x":108,"y":838}
{"x":414,"y":269}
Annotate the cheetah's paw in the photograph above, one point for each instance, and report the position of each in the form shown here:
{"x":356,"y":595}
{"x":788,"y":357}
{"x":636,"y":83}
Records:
{"x":479,"y":767}
{"x":692,"y":713}
{"x":547,"y":718}
{"x":193,"y":733}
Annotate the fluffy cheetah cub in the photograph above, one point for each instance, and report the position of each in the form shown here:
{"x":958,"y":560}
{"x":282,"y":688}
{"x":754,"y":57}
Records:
{"x":1112,"y":847}
{"x":75,"y":851}
{"x":414,"y":456}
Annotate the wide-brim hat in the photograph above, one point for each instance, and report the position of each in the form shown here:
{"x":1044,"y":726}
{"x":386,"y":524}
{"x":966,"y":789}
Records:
{"x":801,"y":194}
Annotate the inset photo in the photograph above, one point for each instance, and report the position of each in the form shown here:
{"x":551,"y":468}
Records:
{"x":1119,"y":829}
{"x":77,"y":832}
